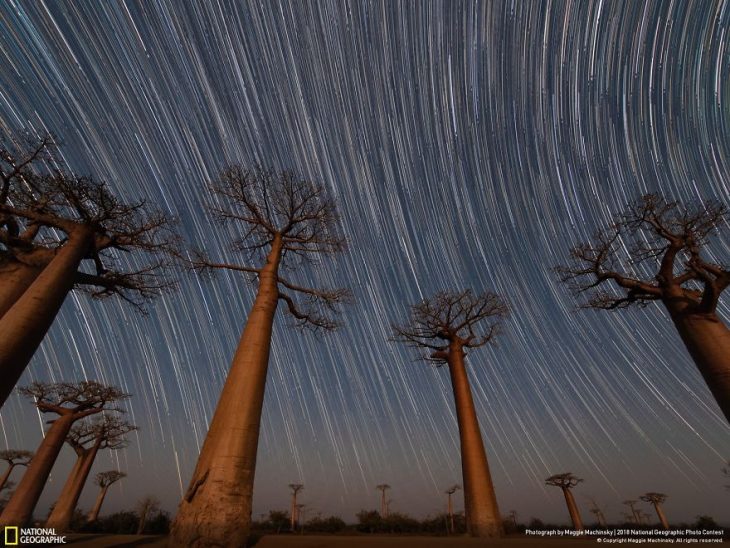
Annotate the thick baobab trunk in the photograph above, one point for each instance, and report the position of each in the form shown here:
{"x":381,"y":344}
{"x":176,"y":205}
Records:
{"x":21,"y":505}
{"x":63,"y":511}
{"x":573,"y":509}
{"x":661,"y":516}
{"x":708,"y":341}
{"x":23,"y":327}
{"x":94,"y":514}
{"x":480,"y":502}
{"x":15,"y":278}
{"x":216,"y":510}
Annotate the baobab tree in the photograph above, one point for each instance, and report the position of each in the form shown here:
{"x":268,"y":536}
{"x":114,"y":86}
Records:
{"x":656,"y":251}
{"x":104,"y":480}
{"x":634,"y":512}
{"x":566,"y":482}
{"x":383,"y":487}
{"x":71,"y":402}
{"x":285,"y":222}
{"x":444,"y":327}
{"x":295,"y":488}
{"x":77,"y":229}
{"x":86,"y":438}
{"x":657,"y":499}
{"x":596,"y":511}
{"x":450,"y":505}
{"x":14,"y":457}
{"x":145,"y":508}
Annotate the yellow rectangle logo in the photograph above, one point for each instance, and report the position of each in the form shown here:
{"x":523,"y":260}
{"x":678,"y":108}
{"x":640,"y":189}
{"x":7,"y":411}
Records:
{"x":11,"y":536}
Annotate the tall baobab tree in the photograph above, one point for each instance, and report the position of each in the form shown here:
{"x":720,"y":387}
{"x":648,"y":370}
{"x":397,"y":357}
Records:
{"x":71,"y":402}
{"x":14,"y":457}
{"x":78,"y":229}
{"x":86,"y":439}
{"x":513,"y":516}
{"x":285,"y":222}
{"x":566,"y":482}
{"x":445,"y":327}
{"x":295,"y":488}
{"x":596,"y":511}
{"x":383,"y":487}
{"x":450,"y":505}
{"x":656,"y":251}
{"x":634,"y":512}
{"x":657,"y":499}
{"x":104,"y":480}
{"x":19,"y":162}
{"x":146,"y":507}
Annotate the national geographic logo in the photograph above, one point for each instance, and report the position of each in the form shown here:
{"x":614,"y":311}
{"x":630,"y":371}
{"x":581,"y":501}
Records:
{"x":14,"y":536}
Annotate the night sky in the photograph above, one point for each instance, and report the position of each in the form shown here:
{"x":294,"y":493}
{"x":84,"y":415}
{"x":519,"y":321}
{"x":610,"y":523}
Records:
{"x":469,"y":145}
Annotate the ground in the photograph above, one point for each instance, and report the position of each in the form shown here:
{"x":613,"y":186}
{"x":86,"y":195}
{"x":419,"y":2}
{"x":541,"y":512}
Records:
{"x":335,"y":541}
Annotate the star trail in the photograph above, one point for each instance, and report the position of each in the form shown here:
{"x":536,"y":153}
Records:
{"x":468,"y":145}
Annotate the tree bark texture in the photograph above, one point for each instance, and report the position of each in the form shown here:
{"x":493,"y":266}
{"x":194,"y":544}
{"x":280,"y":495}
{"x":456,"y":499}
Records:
{"x":23,"y":327}
{"x":21,"y":505}
{"x":216,"y":510}
{"x":480,"y":502}
{"x":708,"y":342}
{"x":15,"y":278}
{"x":661,"y":516}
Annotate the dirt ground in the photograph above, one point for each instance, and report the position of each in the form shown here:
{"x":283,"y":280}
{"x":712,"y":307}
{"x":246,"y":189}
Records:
{"x":333,"y":541}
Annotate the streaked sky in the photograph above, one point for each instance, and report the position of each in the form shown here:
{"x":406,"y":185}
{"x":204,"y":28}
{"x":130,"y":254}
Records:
{"x":469,"y":145}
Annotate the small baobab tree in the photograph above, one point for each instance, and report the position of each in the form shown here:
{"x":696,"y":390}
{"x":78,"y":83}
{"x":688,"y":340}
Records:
{"x":445,"y":327}
{"x":598,"y":513}
{"x":145,"y":508}
{"x":634,"y":511}
{"x":383,"y":487}
{"x":104,"y":480}
{"x":86,"y":438}
{"x":450,"y":505}
{"x":656,"y":251}
{"x":77,"y":232}
{"x":71,"y":402}
{"x":657,"y":499}
{"x":14,"y":457}
{"x":295,"y":488}
{"x":285,"y":222}
{"x":566,"y":482}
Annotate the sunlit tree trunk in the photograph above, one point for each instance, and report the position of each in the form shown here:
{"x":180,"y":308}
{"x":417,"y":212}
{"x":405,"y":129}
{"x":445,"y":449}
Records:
{"x":63,"y":511}
{"x":480,"y":502}
{"x":15,"y":278}
{"x":708,"y":341}
{"x":94,"y":514}
{"x":216,"y":510}
{"x":573,"y":509}
{"x":23,"y":327}
{"x":21,"y":505}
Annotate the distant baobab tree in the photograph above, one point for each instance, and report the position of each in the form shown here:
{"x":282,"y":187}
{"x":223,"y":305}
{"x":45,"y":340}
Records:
{"x":104,"y":480}
{"x":445,"y":326}
{"x":383,"y":487}
{"x":301,"y":511}
{"x":295,"y":488}
{"x":656,"y":251}
{"x":86,"y":438}
{"x":657,"y":499}
{"x":14,"y":457}
{"x":634,"y":512}
{"x":450,"y":505}
{"x":566,"y":482}
{"x":596,"y":511}
{"x":52,"y":226}
{"x":285,"y":222}
{"x":145,"y":508}
{"x":513,"y":517}
{"x":71,"y":402}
